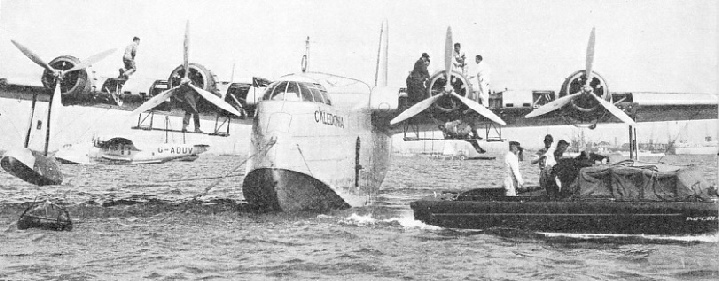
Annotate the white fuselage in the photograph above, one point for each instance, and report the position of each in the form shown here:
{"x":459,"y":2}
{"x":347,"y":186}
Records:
{"x":316,"y":141}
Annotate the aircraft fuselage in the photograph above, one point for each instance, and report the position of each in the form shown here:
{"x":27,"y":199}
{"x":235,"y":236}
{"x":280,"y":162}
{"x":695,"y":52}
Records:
{"x":314,"y":156}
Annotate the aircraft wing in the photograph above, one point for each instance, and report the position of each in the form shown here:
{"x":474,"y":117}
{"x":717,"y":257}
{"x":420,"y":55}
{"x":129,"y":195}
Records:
{"x":644,"y":106}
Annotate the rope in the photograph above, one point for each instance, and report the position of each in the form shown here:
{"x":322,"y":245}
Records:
{"x":269,"y":145}
{"x":304,"y":160}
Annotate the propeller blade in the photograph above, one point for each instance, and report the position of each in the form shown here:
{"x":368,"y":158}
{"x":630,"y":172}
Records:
{"x":414,"y":110}
{"x":590,"y":58}
{"x":215,"y":100}
{"x":186,"y":51}
{"x":92,"y":60}
{"x":448,"y":52}
{"x":614,"y":110}
{"x":32,"y":56}
{"x":154,"y":101}
{"x":480,"y":109}
{"x":552,"y":106}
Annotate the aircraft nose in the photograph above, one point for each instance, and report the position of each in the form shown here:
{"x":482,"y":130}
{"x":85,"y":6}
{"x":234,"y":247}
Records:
{"x":277,"y":123}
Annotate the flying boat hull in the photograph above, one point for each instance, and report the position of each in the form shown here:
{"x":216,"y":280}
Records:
{"x":311,"y":156}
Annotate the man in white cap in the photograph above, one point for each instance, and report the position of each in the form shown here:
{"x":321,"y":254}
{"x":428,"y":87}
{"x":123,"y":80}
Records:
{"x":513,"y":179}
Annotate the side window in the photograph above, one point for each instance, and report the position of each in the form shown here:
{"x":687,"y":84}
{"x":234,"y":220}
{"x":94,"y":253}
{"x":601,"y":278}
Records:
{"x":278,"y":93}
{"x":316,"y":95}
{"x":306,"y":93}
{"x":325,"y":97}
{"x":268,"y":92}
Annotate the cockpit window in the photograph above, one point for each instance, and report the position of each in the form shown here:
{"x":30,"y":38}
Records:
{"x":296,"y":91}
{"x":306,"y":93}
{"x":292,"y":93}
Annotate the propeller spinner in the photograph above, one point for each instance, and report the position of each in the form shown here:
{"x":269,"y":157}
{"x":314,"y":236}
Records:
{"x":448,"y":91}
{"x":586,"y":90}
{"x":162,"y":97}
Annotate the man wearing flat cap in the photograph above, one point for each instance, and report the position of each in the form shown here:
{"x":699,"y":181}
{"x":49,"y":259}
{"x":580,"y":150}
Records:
{"x":553,"y":154}
{"x":540,"y":158}
{"x":513,"y":180}
{"x":417,"y":80}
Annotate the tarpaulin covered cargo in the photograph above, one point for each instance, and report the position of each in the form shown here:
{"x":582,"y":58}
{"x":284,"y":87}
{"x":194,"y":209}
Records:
{"x":656,"y":182}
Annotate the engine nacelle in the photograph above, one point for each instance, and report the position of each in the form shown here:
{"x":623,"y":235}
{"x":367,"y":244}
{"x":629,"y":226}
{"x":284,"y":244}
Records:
{"x":573,"y":85}
{"x":448,"y":108}
{"x":75,"y":84}
{"x":201,"y":77}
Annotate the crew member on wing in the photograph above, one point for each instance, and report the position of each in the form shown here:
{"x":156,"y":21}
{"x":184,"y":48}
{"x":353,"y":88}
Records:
{"x":129,"y":58}
{"x":513,"y":180}
{"x":483,"y":72}
{"x":458,"y":65}
{"x":417,"y":80}
{"x":463,"y":130}
{"x":188,"y":101}
{"x":541,"y":160}
{"x":459,"y":59}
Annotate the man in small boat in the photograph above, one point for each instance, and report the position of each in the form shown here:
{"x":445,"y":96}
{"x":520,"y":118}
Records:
{"x":513,"y":179}
{"x":553,"y":154}
{"x":540,"y":158}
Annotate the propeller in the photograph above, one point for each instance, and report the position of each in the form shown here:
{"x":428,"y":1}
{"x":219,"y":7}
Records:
{"x":448,"y":91}
{"x":33,"y":57}
{"x":590,"y":59}
{"x":415,"y":109}
{"x":586,"y":90}
{"x":448,"y":49}
{"x":60,"y":73}
{"x":162,"y":97}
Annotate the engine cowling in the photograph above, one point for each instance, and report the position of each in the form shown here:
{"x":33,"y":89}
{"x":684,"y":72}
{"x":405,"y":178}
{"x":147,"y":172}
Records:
{"x":573,"y":85}
{"x":448,"y":108}
{"x":201,"y":77}
{"x":74,"y":84}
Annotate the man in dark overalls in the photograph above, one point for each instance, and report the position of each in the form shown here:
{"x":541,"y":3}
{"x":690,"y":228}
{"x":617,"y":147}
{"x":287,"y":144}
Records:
{"x":417,"y":80}
{"x":188,"y":99}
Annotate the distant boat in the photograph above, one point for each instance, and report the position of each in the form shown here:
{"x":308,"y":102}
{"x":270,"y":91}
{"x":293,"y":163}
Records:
{"x":708,"y":146}
{"x":692,"y":148}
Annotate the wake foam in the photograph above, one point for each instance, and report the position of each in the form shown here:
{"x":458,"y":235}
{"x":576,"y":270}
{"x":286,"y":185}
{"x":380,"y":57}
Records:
{"x":405,"y":220}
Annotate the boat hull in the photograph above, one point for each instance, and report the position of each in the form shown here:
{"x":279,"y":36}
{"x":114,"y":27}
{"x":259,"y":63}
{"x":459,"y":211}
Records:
{"x":285,"y":190}
{"x":595,"y":217}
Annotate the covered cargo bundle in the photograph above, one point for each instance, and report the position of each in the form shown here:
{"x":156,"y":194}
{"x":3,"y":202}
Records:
{"x":656,"y":182}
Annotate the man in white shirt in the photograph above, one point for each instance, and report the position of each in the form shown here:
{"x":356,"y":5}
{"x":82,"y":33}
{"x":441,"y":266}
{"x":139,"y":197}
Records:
{"x":483,"y":73}
{"x":459,"y":59}
{"x":513,"y":179}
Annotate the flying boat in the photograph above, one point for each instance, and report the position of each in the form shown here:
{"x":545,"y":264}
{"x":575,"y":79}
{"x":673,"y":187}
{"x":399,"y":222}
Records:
{"x":315,"y":146}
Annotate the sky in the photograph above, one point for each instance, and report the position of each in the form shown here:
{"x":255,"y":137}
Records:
{"x":658,"y":46}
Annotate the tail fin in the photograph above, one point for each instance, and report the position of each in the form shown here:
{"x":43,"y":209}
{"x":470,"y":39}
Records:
{"x":380,"y":78}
